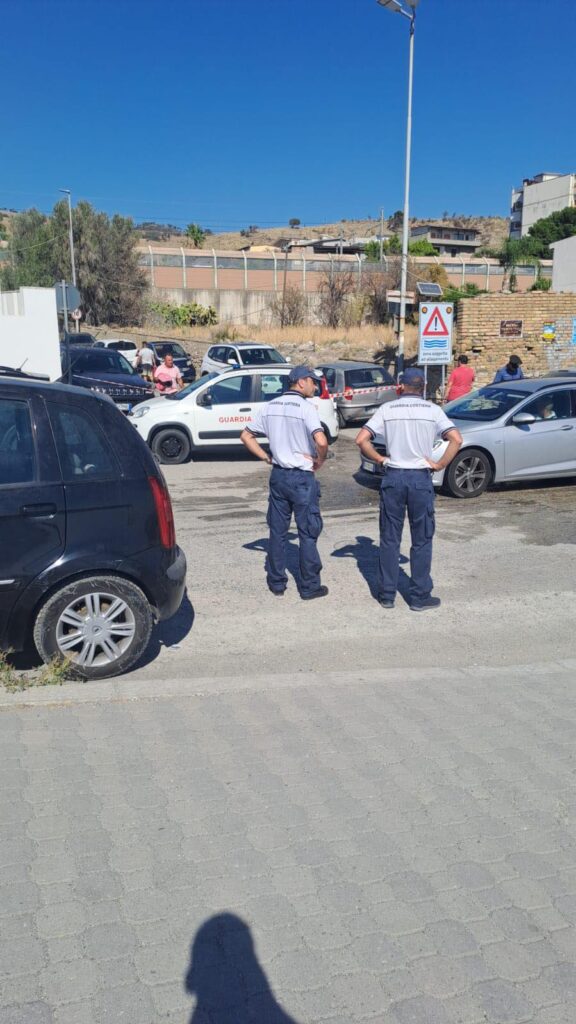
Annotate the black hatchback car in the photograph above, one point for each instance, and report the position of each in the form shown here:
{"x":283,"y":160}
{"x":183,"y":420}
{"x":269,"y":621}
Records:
{"x":107,"y":372}
{"x":181,"y":358}
{"x":88,"y":553}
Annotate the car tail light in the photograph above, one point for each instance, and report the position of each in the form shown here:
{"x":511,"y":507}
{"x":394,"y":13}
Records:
{"x":348,"y":393}
{"x":324,"y":392}
{"x":164,"y":512}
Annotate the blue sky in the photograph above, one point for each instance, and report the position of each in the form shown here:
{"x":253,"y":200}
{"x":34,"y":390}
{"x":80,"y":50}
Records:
{"x":237,"y":112}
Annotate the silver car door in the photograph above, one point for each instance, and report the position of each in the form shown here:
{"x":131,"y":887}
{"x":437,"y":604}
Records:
{"x":546,"y":447}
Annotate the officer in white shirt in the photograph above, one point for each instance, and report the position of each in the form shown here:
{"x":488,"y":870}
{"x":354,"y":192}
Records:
{"x":410,"y":425}
{"x":298,"y":447}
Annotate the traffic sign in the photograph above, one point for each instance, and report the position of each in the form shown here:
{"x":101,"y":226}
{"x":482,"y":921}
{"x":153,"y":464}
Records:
{"x":76,"y":314}
{"x":67,"y":296}
{"x":435,"y":333}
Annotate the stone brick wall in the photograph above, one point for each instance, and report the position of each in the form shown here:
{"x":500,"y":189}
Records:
{"x":478,"y":332}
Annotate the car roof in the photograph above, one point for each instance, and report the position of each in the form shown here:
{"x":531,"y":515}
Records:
{"x":352,"y":364}
{"x":48,"y":389}
{"x":243,"y":344}
{"x":530,"y":384}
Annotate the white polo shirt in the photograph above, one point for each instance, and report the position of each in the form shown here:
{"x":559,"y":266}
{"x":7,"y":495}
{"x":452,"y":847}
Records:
{"x":289,"y":422}
{"x":409,"y":425}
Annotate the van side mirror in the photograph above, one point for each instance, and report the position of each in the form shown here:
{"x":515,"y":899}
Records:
{"x":523,"y":418}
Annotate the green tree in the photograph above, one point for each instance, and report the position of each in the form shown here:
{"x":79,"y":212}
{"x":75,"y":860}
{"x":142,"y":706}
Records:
{"x":561,"y":224}
{"x":513,"y":252}
{"x":294,"y":222}
{"x":30,"y":255}
{"x":422,"y":248}
{"x":196,"y":235}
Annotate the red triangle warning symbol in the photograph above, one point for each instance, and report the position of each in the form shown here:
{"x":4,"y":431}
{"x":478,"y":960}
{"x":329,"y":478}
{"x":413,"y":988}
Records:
{"x":435,"y":325}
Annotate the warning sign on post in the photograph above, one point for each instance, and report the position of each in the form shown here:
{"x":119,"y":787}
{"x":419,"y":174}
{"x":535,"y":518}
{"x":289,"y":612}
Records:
{"x":435,"y":333}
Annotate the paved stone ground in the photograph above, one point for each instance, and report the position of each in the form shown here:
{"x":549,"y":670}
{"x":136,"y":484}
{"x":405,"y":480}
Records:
{"x":400,"y":847}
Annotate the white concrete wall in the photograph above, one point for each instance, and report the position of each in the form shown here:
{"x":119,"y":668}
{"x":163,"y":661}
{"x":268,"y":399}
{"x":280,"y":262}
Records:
{"x":233,"y":306}
{"x":564,"y":266}
{"x":546,"y":197}
{"x":29,"y":331}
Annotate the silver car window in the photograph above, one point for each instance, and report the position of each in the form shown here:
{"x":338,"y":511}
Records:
{"x":550,"y":406}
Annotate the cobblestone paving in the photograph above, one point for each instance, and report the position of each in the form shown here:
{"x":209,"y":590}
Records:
{"x":399,"y":850}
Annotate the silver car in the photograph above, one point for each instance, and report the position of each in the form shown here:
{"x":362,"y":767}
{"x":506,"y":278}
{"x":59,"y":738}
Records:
{"x":525,"y":430}
{"x":357,"y":388}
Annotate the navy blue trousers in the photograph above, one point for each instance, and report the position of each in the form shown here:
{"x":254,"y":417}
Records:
{"x":294,"y":492}
{"x":406,"y":491}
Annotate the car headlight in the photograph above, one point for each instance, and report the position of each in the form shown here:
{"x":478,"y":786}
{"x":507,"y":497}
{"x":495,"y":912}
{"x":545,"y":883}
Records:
{"x":140,"y":410}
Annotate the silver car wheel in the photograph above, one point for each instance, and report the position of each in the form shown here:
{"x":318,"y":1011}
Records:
{"x":470,"y":474}
{"x":95,"y":629}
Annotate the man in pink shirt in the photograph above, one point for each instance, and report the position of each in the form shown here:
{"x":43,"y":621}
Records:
{"x":168,"y":377}
{"x":460,"y":380}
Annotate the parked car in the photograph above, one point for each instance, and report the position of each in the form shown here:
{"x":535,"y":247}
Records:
{"x":524,"y":430}
{"x":128,"y":349}
{"x":570,"y":371}
{"x":181,"y":358}
{"x":87,"y":543}
{"x":214,"y":410}
{"x":246,"y":353}
{"x":109,"y":372}
{"x":78,"y":338}
{"x":358,"y":388}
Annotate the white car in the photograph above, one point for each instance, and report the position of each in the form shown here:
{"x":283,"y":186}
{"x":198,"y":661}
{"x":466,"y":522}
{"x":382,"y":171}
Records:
{"x":129,"y":349}
{"x":213,"y":411}
{"x":245,"y":353}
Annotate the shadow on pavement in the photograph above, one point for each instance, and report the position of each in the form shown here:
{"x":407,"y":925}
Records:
{"x":226,"y":978}
{"x":168,"y":633}
{"x":292,"y":553}
{"x":365,"y":552}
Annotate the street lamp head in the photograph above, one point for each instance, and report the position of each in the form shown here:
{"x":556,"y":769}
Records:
{"x":392,"y":5}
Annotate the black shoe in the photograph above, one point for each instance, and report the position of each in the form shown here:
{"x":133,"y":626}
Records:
{"x":386,"y":602}
{"x":321,"y":592}
{"x":277,"y":593}
{"x":424,"y":606}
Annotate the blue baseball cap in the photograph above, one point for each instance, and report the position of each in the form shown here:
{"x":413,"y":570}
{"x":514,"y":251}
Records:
{"x":300,"y":372}
{"x":413,"y":377}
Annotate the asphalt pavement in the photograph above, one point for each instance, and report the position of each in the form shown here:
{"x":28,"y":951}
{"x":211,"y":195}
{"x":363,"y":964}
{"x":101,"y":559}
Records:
{"x":318,"y":814}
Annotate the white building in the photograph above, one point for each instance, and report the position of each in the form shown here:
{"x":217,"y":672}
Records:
{"x":564,"y":266}
{"x":538,"y":197}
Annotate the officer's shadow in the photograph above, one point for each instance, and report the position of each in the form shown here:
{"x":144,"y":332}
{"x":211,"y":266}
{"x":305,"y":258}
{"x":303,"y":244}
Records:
{"x":292,"y":553}
{"x":365,"y":551}
{"x":226,"y":978}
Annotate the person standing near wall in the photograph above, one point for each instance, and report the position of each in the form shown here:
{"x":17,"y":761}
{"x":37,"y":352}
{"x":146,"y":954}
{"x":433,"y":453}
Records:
{"x":460,"y":380}
{"x":509,"y":372}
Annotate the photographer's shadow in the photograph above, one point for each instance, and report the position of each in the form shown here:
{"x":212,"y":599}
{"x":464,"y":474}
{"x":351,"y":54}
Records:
{"x":226,"y":978}
{"x":365,"y":552}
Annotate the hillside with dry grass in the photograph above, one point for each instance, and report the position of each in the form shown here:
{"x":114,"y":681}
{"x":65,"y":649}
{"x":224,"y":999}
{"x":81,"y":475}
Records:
{"x":493,"y":231}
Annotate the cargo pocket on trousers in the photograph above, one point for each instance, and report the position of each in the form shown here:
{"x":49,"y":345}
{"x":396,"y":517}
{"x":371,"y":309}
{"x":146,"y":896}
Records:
{"x":430,"y":523}
{"x":314,"y":523}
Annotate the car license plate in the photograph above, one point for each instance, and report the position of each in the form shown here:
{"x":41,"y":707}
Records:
{"x":123,"y":405}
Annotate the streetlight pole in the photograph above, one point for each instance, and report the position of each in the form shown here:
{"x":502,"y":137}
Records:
{"x":396,"y":6}
{"x":67,"y":192}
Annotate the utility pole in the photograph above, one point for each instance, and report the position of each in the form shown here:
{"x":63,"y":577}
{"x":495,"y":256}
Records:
{"x":282,"y":314}
{"x":71,"y":235}
{"x":381,"y":234}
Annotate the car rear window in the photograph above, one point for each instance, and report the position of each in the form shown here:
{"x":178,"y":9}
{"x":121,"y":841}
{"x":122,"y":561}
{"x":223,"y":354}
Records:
{"x":17,"y":459}
{"x":82,"y":447}
{"x":368,"y":377}
{"x":260,"y":356}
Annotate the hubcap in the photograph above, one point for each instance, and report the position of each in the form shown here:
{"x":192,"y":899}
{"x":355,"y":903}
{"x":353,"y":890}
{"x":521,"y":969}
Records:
{"x":470,"y":474}
{"x":95,"y":629}
{"x":171,"y":447}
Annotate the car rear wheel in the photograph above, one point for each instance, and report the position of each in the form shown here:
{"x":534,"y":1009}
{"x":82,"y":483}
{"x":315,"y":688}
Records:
{"x":469,"y":474}
{"x":329,"y":437}
{"x":341,"y":420}
{"x":100,"y":626}
{"x":171,"y":446}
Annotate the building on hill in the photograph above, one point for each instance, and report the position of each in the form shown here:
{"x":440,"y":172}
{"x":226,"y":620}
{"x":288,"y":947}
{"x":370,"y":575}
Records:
{"x":538,"y":197}
{"x":447,"y":239}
